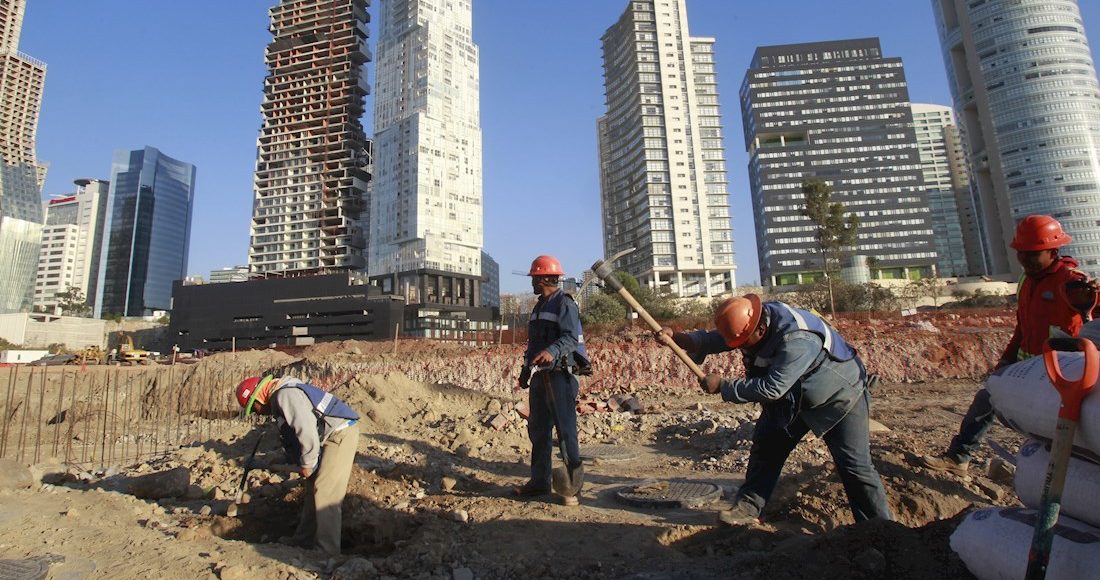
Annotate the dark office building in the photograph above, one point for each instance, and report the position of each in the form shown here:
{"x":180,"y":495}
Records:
{"x":836,"y":111}
{"x":147,"y":232}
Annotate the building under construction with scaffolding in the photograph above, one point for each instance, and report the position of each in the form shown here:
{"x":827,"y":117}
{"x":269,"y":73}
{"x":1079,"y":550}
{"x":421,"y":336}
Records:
{"x":313,"y":160}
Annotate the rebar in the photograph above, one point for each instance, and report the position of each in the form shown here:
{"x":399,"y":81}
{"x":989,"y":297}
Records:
{"x":23,"y":421}
{"x":87,"y":418}
{"x":12,"y":375}
{"x":70,"y":420}
{"x":114,"y":426}
{"x":38,"y":427}
{"x":57,"y":414}
{"x":103,"y":437}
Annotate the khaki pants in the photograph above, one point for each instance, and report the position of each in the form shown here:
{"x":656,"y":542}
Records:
{"x":321,"y":518}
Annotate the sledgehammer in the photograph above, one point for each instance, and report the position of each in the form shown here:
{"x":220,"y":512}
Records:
{"x":1072,"y":394}
{"x":606,"y":273}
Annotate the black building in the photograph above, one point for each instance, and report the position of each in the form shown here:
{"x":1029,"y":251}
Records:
{"x":836,"y":111}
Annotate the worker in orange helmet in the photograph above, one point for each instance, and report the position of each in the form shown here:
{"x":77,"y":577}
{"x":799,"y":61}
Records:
{"x":322,"y":435}
{"x":806,"y":378}
{"x":1052,"y":296}
{"x":555,"y":355}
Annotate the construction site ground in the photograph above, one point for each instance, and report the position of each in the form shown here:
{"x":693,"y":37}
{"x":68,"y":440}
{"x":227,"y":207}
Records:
{"x":442,"y":445}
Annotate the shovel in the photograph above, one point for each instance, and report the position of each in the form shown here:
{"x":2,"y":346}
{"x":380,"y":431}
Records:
{"x":1072,"y":394}
{"x":604,"y":270}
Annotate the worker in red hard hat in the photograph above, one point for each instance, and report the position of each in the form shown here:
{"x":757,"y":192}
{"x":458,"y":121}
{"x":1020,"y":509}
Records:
{"x":1051,"y":296}
{"x":325,"y":437}
{"x":555,"y":355}
{"x":806,"y":378}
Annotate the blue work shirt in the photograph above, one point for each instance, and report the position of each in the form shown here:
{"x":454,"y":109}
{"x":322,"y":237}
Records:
{"x":800,"y":380}
{"x":555,"y":332}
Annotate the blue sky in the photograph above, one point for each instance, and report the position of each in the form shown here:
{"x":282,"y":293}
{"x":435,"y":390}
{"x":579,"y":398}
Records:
{"x":186,"y":77}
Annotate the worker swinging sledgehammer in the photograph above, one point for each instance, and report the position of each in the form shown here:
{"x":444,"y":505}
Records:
{"x":327,"y":435}
{"x":806,"y":378}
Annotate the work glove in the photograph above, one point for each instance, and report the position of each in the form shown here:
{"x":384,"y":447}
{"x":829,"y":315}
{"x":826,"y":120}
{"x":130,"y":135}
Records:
{"x":711,"y":384}
{"x":524,"y":377}
{"x":682,"y":340}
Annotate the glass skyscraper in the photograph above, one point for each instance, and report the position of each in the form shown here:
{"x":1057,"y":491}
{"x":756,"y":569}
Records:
{"x":148,"y":230}
{"x":1028,"y":103}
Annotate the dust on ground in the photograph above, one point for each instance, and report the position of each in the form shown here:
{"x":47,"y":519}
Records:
{"x":430,"y":497}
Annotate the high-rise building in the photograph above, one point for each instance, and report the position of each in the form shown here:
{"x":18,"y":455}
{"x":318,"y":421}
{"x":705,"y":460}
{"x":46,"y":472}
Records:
{"x":936,"y":137}
{"x":231,"y":274}
{"x":311,"y":166}
{"x":490,"y":284}
{"x":839,"y":112}
{"x":663,"y":184}
{"x":146,"y":233}
{"x":21,"y":176}
{"x":426,"y":200}
{"x":1025,"y":89}
{"x":71,"y":241}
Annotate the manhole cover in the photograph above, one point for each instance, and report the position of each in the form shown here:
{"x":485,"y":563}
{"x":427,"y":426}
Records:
{"x":29,"y":569}
{"x":669,"y":494}
{"x":608,"y":453}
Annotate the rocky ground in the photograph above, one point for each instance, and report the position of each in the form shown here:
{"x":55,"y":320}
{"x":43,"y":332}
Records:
{"x":444,"y":441}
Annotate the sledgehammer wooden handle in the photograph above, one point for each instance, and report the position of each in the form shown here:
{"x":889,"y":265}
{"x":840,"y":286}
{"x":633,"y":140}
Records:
{"x":604,"y":271}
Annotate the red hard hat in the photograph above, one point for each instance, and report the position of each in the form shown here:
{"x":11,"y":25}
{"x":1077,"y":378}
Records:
{"x":736,"y":318}
{"x":245,"y":390}
{"x":546,"y":266}
{"x":1039,"y":232}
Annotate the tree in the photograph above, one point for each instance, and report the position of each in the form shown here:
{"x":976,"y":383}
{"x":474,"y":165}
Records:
{"x":602,"y":309}
{"x":833,"y":230}
{"x":73,"y":302}
{"x":660,"y":304}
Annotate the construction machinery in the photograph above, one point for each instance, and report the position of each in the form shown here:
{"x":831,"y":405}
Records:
{"x":90,"y":355}
{"x":128,"y":354}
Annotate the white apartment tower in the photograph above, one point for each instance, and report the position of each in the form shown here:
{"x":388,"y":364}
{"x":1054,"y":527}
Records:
{"x":313,"y":155}
{"x":958,"y":252}
{"x":21,"y":176}
{"x":71,"y":240}
{"x":663,"y":185}
{"x":426,"y":200}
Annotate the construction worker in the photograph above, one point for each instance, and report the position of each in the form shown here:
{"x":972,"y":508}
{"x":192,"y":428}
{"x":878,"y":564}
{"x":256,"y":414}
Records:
{"x":806,"y":378}
{"x":325,"y":436}
{"x":555,"y":349}
{"x":1046,"y":297}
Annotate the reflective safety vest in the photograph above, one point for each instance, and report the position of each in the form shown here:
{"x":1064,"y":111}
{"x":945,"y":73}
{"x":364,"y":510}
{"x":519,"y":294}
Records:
{"x":785,"y":320}
{"x":325,"y":404}
{"x":1042,"y":308}
{"x":544,"y":329}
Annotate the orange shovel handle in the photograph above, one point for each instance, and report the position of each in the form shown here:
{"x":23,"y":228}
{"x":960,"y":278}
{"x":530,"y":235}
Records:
{"x":1073,"y":392}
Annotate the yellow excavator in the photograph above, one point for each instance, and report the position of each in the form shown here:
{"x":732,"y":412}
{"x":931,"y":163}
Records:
{"x":127,"y":354}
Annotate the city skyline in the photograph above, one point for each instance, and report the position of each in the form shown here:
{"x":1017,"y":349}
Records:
{"x":537,"y":120}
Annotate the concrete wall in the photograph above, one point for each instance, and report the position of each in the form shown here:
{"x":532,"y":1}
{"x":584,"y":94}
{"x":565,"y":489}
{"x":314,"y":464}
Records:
{"x":32,"y":329}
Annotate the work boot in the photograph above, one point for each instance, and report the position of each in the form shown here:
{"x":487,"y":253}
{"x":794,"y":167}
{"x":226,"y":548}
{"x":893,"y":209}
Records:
{"x":945,"y":463}
{"x":741,"y":514}
{"x":570,"y":500}
{"x":531,"y":489}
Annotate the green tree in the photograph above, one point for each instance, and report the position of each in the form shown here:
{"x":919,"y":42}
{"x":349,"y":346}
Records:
{"x":660,"y":304}
{"x":834,"y":229}
{"x":602,"y":309}
{"x":73,"y":302}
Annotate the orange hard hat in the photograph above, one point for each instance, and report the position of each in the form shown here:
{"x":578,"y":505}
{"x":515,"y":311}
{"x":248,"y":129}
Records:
{"x":1039,"y":232}
{"x":736,"y":318}
{"x":546,"y":266}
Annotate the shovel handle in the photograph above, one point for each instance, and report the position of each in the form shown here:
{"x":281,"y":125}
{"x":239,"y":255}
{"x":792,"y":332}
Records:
{"x":1073,"y":392}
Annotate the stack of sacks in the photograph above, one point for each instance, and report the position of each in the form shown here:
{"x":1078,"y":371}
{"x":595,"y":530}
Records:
{"x":994,"y":542}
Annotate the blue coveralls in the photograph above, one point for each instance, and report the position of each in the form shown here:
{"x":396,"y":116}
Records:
{"x":801,"y":387}
{"x":556,"y":331}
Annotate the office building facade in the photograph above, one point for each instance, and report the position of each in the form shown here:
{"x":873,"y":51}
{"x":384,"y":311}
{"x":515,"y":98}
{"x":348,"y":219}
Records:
{"x":309,"y":206}
{"x":146,"y":233}
{"x":21,"y":176}
{"x":936,"y":137}
{"x":71,"y":240}
{"x":663,"y":184}
{"x":426,"y":199}
{"x":490,"y":281}
{"x":839,"y":112}
{"x":226,"y":275}
{"x":1025,"y":89}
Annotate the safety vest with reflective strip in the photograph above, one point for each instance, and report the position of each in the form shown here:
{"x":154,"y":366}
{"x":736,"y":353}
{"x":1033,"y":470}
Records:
{"x":544,"y":325}
{"x":785,"y":320}
{"x":325,"y":404}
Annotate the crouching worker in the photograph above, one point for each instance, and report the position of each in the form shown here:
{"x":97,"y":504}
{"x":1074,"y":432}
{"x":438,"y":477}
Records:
{"x":806,"y":378}
{"x":326,"y":433}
